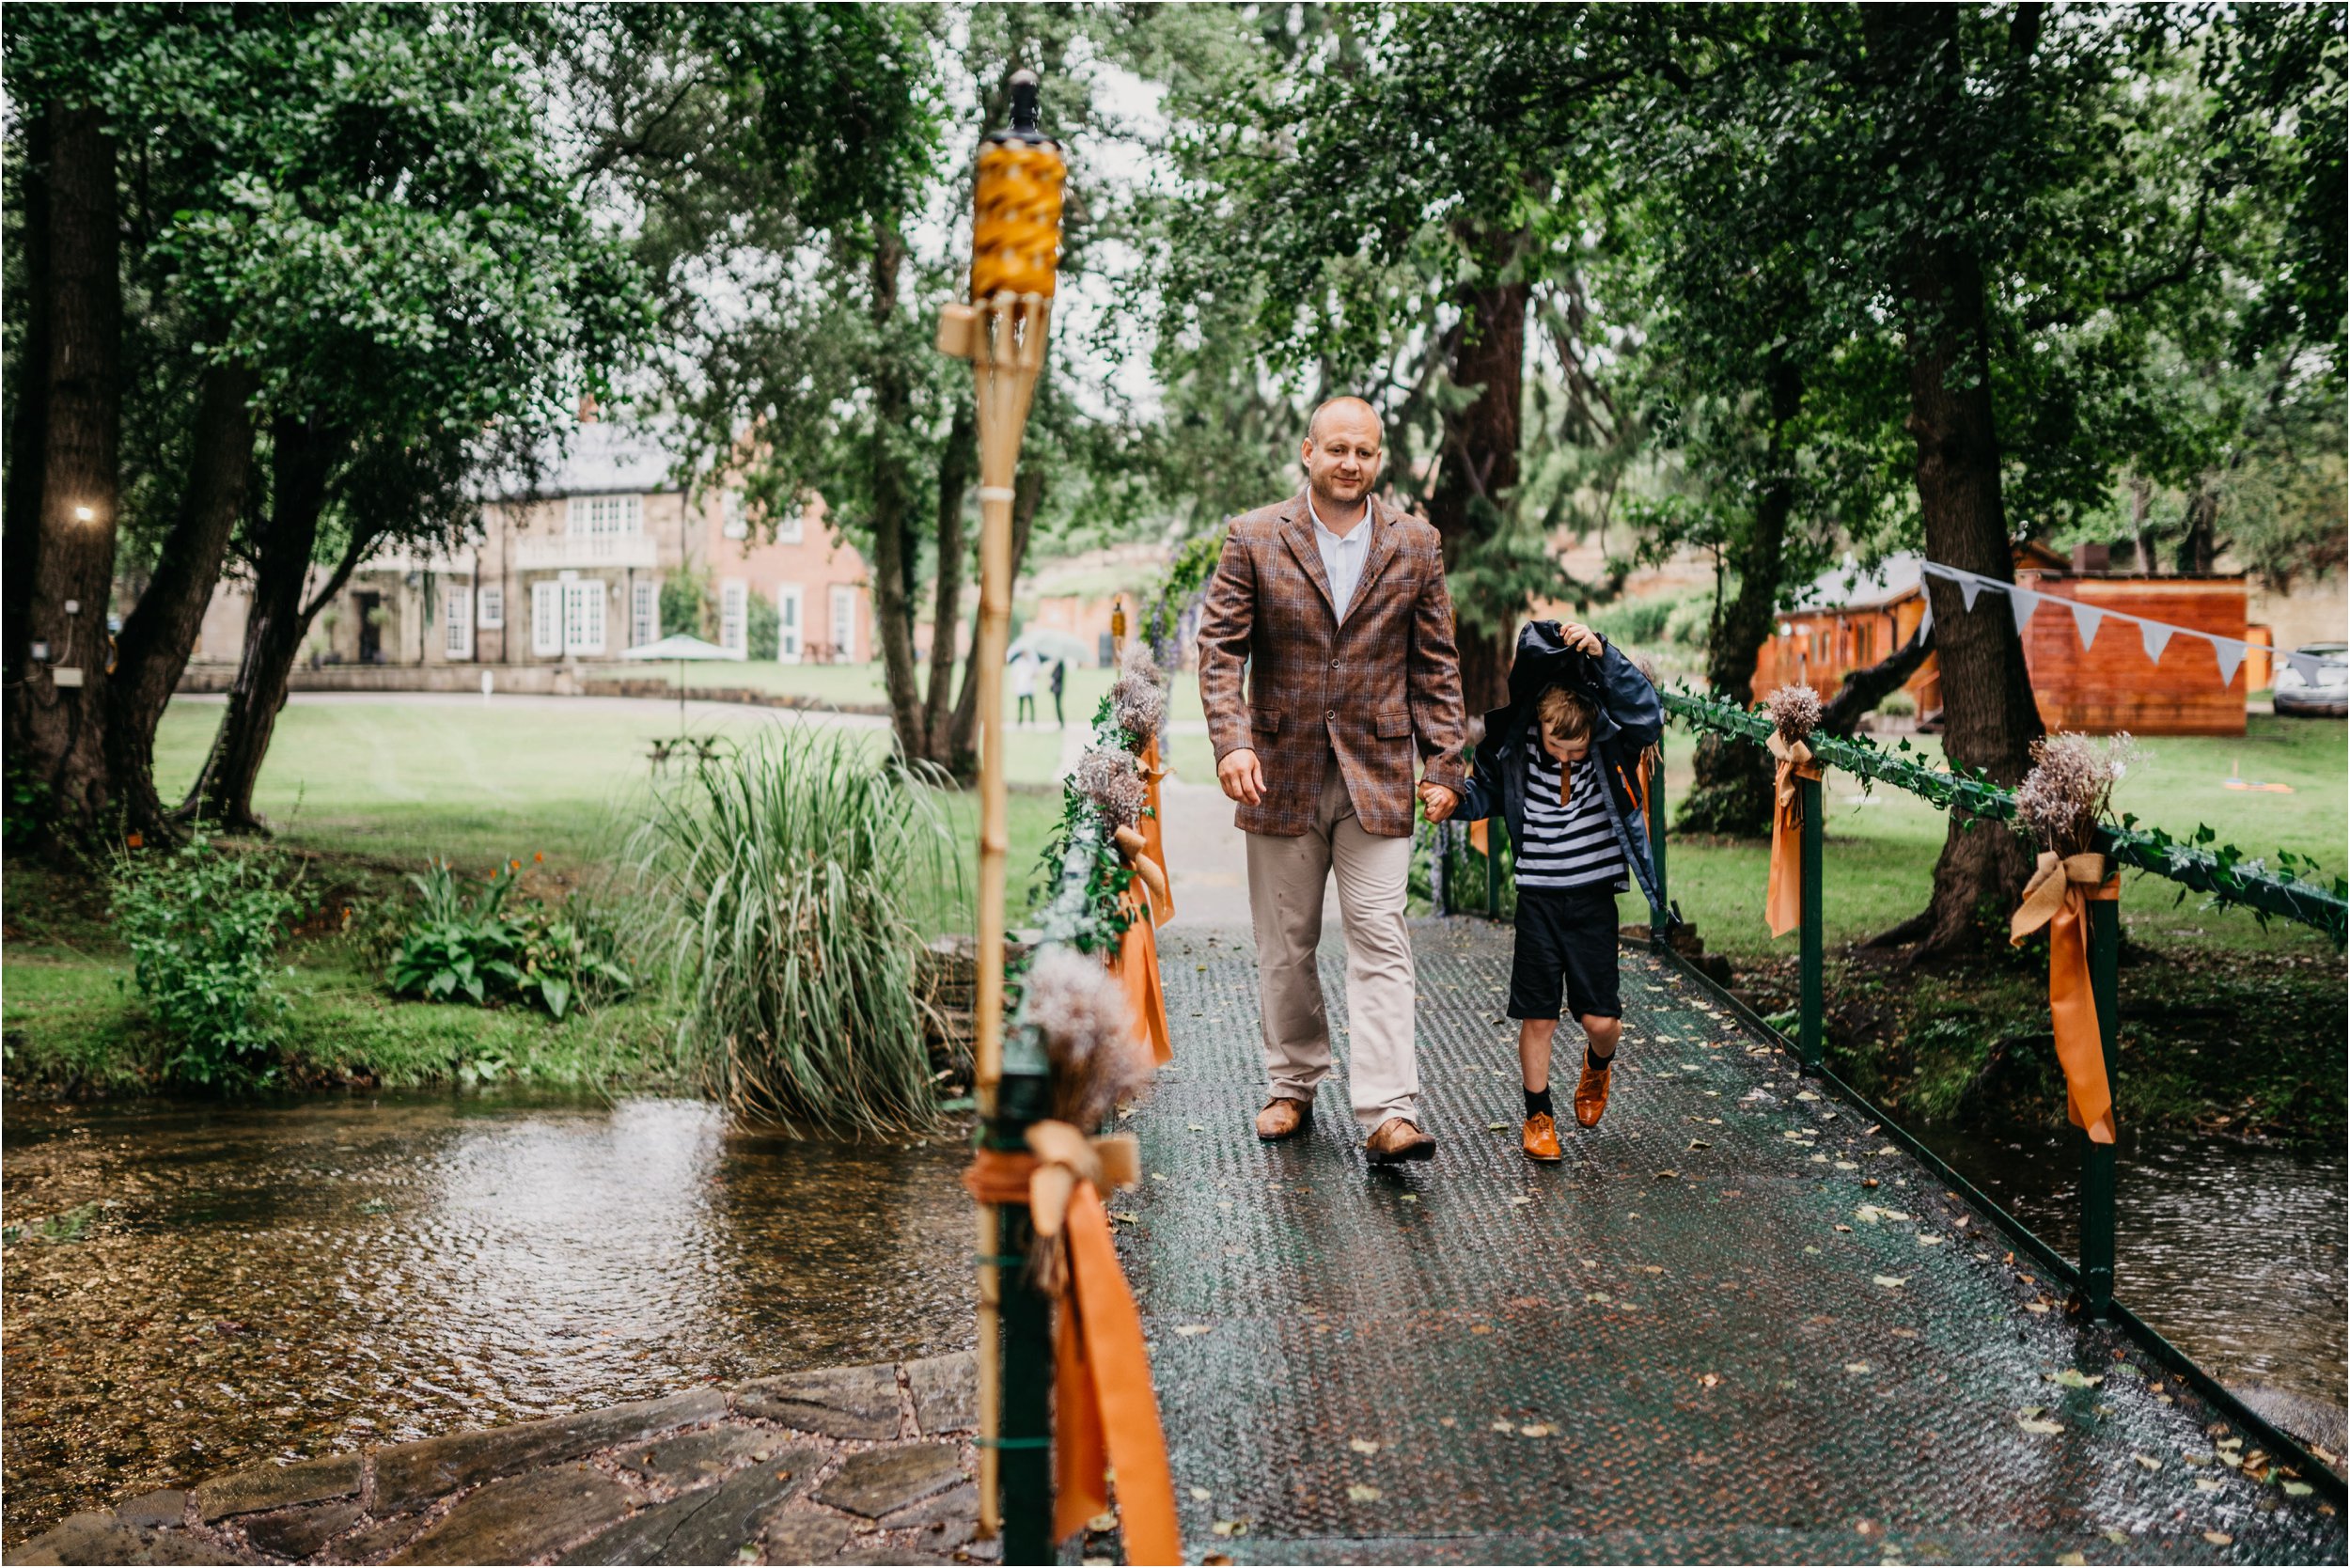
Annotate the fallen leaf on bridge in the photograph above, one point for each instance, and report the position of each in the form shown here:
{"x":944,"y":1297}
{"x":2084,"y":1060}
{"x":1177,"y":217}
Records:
{"x":1534,"y":1429}
{"x":1858,"y":1368}
{"x":1228,"y":1527}
{"x":1710,"y":1380}
{"x":1200,"y":1494}
{"x":1362,"y":1445}
{"x":2208,"y":1484}
{"x":1891,"y":1281}
{"x":2044,"y":1429}
{"x":2218,"y":1537}
{"x":2296,"y":1488}
{"x":1188,"y":1329}
{"x":2070,"y":1378}
{"x":2071,"y":1560}
{"x":2147,"y":1461}
{"x":1364,"y":1493}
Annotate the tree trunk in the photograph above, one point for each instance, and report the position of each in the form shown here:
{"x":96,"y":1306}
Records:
{"x":1989,"y":714}
{"x":2199,"y":550}
{"x":28,"y":419}
{"x":1863,"y":689}
{"x":1735,"y":779}
{"x":1027,"y":493}
{"x":1478,"y":462}
{"x":893,"y":554}
{"x":300,"y":462}
{"x":159,"y":634}
{"x":2143,"y":524}
{"x":55,"y":729}
{"x":955,"y":465}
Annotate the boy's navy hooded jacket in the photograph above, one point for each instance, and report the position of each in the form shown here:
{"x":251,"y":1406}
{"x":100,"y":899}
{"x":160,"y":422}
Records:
{"x":1630,"y":718}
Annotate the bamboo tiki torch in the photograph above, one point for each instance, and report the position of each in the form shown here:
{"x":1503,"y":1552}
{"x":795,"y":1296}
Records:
{"x":1015,"y":247}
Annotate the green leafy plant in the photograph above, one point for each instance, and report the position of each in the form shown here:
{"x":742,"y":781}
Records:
{"x":203,"y":927}
{"x":476,"y":947}
{"x":782,"y":884}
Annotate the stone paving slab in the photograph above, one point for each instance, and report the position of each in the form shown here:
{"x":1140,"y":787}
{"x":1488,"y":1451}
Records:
{"x":753,"y":1474}
{"x":1731,"y":1326}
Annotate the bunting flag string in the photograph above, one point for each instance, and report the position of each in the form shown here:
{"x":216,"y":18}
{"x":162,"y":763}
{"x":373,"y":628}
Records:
{"x":2154,"y":635}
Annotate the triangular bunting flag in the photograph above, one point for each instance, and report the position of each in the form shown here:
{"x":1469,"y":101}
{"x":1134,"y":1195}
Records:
{"x":2156,"y":637}
{"x":1925,"y":621}
{"x":2022,"y":601}
{"x":2304,"y":665}
{"x":2086,"y":620}
{"x":2230,"y":652}
{"x":1969,"y":586}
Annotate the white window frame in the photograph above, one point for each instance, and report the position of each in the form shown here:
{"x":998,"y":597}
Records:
{"x":546,"y":619}
{"x":737,"y":514}
{"x":791,"y":622}
{"x":490,"y":607}
{"x":792,"y":528}
{"x":457,"y":640}
{"x":644,"y":619}
{"x":843,"y":627}
{"x":606,"y":516}
{"x":583,"y":616}
{"x":734,"y":617}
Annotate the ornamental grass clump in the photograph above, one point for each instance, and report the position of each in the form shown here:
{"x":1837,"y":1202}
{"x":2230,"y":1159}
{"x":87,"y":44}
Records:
{"x":1110,"y":781}
{"x":782,"y":884}
{"x":2070,"y":787}
{"x":1795,"y":712}
{"x":1136,"y":699}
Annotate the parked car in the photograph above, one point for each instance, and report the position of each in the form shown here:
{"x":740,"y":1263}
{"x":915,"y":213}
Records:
{"x":2325,"y":695}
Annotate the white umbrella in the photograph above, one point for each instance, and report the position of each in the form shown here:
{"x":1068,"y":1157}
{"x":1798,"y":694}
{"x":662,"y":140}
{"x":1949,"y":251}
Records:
{"x":680,"y":648}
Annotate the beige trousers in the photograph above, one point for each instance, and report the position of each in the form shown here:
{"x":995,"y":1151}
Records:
{"x":1286,"y":880}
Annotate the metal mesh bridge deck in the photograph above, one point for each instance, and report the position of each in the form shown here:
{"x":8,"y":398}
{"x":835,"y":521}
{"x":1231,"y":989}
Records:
{"x":1678,"y":1345}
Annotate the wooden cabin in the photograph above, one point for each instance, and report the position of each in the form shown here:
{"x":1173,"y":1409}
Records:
{"x":1855,"y":615}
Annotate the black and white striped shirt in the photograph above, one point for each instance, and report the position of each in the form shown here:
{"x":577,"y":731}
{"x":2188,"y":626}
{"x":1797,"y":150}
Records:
{"x":1572,"y":845}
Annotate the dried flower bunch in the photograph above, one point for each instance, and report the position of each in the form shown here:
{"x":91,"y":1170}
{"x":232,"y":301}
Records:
{"x":1795,"y":712}
{"x":2070,"y":787}
{"x":1136,"y":697}
{"x":1110,"y":780}
{"x":1089,"y":1031}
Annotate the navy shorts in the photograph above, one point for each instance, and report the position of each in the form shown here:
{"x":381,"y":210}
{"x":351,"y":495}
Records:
{"x":1566,"y":941}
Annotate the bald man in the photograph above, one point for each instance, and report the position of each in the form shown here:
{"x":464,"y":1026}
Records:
{"x":1333,"y":604}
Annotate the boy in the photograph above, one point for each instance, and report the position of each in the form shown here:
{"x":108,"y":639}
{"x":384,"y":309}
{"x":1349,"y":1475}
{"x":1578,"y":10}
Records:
{"x":1562,"y":766}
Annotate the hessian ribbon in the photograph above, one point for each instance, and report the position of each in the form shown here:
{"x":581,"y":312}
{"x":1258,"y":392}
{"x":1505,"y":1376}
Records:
{"x":1105,"y":1413}
{"x":1154,"y":831}
{"x":1782,"y":898}
{"x":1136,"y":961}
{"x":2058,"y":896}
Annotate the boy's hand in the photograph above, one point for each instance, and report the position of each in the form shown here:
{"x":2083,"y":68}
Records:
{"x":1582,"y":638}
{"x":1436,"y":801}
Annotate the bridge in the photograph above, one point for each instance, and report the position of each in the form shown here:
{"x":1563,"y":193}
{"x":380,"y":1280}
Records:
{"x":1743,"y":1321}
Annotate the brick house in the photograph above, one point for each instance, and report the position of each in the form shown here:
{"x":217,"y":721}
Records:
{"x":573,"y":572}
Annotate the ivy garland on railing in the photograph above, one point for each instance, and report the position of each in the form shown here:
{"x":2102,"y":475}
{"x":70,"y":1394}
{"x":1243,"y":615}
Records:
{"x":1082,"y":874}
{"x":2198,"y":863}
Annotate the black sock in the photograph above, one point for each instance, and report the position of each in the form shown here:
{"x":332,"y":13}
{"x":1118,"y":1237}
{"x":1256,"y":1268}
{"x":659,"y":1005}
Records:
{"x":1536,"y":1104}
{"x":1598,"y":1063}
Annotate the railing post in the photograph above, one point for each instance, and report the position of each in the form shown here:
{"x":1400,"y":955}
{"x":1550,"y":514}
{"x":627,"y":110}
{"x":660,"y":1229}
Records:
{"x":1656,"y":824}
{"x":1024,"y":1429}
{"x":1492,"y":860}
{"x":1812,"y":1003}
{"x":2097,"y":1168}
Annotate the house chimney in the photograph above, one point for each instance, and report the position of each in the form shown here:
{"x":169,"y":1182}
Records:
{"x":587,"y":408}
{"x":2092,"y":557}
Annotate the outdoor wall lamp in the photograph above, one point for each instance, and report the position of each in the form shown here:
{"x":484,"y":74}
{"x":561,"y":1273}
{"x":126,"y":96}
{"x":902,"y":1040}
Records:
{"x":83,"y":514}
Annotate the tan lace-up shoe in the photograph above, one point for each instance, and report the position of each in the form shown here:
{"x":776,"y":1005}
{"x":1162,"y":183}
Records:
{"x":1398,"y":1140}
{"x":1541,"y":1141}
{"x":1282,"y":1118}
{"x":1591,"y":1095}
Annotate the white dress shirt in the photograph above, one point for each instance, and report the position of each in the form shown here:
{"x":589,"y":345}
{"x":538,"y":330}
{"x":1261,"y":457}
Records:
{"x":1343,"y":555}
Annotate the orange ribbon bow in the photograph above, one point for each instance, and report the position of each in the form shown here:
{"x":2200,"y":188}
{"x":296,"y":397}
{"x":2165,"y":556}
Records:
{"x":1154,"y":832}
{"x":1106,"y":1412}
{"x":1782,"y":898}
{"x":2058,"y":896}
{"x":1136,"y":961}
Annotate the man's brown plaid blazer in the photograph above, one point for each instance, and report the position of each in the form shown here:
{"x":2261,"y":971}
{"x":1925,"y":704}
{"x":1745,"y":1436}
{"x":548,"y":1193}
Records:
{"x":1366,"y":689}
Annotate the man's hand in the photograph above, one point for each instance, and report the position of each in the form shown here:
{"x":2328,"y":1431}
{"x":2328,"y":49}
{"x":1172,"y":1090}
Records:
{"x":1242,"y":778}
{"x":1436,"y":801}
{"x":1582,"y":638}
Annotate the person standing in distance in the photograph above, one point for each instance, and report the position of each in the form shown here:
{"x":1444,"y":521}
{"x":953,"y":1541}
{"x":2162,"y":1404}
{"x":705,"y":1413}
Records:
{"x":1334,"y":604}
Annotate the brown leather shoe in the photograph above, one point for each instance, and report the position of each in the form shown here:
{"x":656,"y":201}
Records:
{"x":1541,"y":1141}
{"x":1282,"y":1118}
{"x":1590,"y":1094}
{"x":1398,"y":1140}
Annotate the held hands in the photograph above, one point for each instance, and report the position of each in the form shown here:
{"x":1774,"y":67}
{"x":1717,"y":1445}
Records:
{"x":1582,"y":638}
{"x":1437,"y":802}
{"x":1242,"y":776}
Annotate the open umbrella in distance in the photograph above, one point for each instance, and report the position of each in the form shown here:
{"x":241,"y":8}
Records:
{"x":680,"y":648}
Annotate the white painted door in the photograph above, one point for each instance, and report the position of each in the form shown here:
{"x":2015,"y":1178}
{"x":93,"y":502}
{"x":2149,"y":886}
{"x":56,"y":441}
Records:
{"x":734,"y":619}
{"x":645,"y":617}
{"x":458,"y":642}
{"x":790,"y":621}
{"x":546,"y":619}
{"x":583,"y":617}
{"x":844,"y":623}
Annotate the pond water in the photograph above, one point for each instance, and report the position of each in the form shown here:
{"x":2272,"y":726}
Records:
{"x":189,"y":1289}
{"x":2235,"y":1253}
{"x":241,"y":1283}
